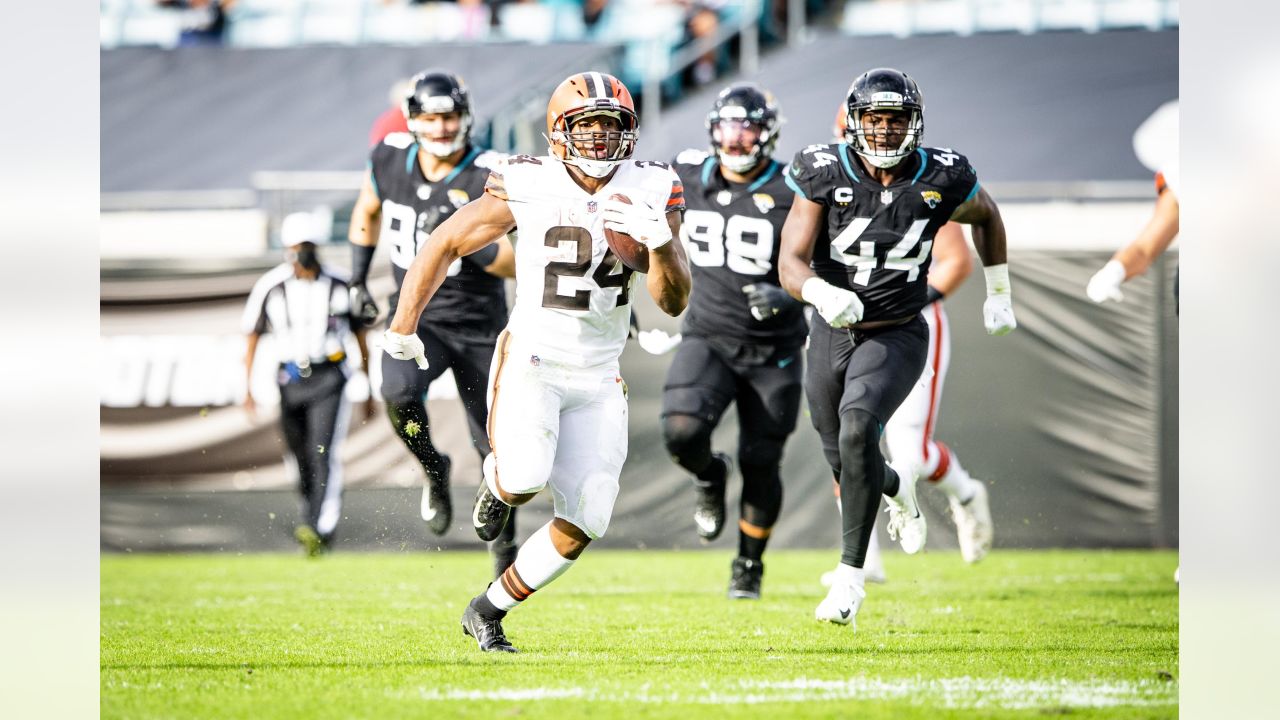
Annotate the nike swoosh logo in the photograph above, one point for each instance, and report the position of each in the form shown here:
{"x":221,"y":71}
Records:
{"x":844,"y":613}
{"x":785,"y":361}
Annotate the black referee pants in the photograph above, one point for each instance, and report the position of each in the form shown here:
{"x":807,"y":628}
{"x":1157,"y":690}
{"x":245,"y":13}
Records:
{"x":313,"y":416}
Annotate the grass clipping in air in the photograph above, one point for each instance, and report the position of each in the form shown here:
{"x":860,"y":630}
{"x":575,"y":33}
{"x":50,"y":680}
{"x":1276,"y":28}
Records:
{"x":639,"y":634}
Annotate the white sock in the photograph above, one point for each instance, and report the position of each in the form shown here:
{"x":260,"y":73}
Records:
{"x":536,"y":565}
{"x":851,"y":575}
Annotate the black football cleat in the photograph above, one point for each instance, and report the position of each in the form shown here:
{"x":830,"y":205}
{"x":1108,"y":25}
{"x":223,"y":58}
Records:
{"x":487,"y":632}
{"x":744,"y":584}
{"x":708,"y":514}
{"x":437,"y":506}
{"x":489,"y":515}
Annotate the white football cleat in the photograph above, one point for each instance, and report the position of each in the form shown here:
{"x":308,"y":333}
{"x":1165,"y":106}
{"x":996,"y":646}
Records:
{"x":841,"y":604}
{"x":906,"y":522}
{"x":973,"y":524}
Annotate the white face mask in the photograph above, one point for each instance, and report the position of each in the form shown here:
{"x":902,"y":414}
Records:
{"x":441,"y":149}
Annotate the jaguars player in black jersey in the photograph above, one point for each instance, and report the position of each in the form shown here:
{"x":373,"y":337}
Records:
{"x":856,"y":246}
{"x":415,"y":181}
{"x":742,"y":333}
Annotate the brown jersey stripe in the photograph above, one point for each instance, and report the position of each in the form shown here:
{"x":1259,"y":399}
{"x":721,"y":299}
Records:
{"x":496,"y":186}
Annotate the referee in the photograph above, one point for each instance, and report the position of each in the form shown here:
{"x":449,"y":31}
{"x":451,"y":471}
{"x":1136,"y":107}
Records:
{"x":306,"y":307}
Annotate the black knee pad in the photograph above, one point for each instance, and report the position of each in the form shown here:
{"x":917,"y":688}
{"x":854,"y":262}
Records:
{"x":859,"y":429}
{"x":685,"y":434}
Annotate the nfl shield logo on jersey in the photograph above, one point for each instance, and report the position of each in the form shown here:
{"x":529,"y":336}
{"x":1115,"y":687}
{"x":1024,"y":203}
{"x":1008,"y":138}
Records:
{"x":424,"y":192}
{"x":591,"y":206}
{"x":724,"y":197}
{"x":931,"y":198}
{"x":764,"y":202}
{"x":886,"y":197}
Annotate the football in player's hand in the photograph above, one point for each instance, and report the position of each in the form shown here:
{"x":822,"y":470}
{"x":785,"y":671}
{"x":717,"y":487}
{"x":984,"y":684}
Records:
{"x":633,"y":254}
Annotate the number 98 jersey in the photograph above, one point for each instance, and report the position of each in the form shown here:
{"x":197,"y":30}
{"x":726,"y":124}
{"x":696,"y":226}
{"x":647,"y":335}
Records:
{"x":876,"y":239}
{"x":732,"y":233}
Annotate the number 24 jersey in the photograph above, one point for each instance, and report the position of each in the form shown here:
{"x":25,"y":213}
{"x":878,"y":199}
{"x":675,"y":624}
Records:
{"x":877,"y":240}
{"x":572,"y":292}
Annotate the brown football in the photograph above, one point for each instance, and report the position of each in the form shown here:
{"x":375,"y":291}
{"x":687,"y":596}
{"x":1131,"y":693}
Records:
{"x":632,"y":253}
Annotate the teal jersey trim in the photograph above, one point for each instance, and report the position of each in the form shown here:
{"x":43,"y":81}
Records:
{"x":408,"y":159}
{"x":792,"y":184}
{"x":764,"y":177}
{"x":974,"y":191}
{"x":462,"y":165}
{"x":847,"y":163}
{"x":707,"y":166}
{"x":924,"y":161}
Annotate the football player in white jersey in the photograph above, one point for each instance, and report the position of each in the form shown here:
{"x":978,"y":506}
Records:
{"x":557,"y":403}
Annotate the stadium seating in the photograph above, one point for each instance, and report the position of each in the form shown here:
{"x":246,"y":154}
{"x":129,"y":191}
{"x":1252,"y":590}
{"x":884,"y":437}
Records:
{"x":962,"y":17}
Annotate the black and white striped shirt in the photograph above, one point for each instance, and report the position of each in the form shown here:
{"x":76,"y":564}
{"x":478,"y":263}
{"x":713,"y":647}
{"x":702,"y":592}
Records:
{"x":310,"y":319}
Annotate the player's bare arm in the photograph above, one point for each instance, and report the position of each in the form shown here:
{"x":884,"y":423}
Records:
{"x":477,"y":224}
{"x":980,"y":212}
{"x":365,"y":215}
{"x":796,"y":250}
{"x":1154,"y":238}
{"x":951,"y":260}
{"x":669,"y":280}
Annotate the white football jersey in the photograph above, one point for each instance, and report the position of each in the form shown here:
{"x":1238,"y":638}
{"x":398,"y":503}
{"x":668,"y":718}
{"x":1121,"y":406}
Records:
{"x":572,"y":294}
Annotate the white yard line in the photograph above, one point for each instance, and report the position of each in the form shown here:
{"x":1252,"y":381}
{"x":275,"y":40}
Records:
{"x":957,"y":693}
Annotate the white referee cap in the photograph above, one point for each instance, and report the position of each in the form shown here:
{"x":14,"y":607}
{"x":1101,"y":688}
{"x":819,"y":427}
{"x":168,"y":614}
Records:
{"x":301,"y":227}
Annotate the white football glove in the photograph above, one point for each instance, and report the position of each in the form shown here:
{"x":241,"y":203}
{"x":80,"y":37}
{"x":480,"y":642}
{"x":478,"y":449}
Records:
{"x":997,"y":311}
{"x":405,"y":347}
{"x":658,"y":342}
{"x":839,"y":307}
{"x":1105,"y":284}
{"x":646,"y":224}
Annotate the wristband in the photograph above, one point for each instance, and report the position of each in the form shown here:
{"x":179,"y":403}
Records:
{"x":998,"y":280}
{"x":932,"y":295}
{"x":361,"y":258}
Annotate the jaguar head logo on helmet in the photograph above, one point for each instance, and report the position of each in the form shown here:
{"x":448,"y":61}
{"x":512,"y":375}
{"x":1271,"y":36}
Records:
{"x":437,"y":109}
{"x":592,"y":123}
{"x":885,"y":121}
{"x":743,"y":125}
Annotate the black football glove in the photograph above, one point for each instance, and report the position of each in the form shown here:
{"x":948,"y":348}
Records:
{"x":766,"y":300}
{"x":363,"y":308}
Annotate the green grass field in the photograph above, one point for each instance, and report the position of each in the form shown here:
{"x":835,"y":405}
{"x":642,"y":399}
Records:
{"x":639,"y":634}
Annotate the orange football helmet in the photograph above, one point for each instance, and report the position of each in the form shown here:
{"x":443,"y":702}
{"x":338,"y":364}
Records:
{"x":582,"y":95}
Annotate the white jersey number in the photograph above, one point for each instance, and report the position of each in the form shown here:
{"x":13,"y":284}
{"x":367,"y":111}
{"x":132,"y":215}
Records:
{"x":744,"y":244}
{"x":400,"y":226}
{"x":861,"y":254}
{"x":609,"y":273}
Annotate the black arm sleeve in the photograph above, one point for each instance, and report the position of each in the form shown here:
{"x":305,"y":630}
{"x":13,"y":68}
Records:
{"x":361,"y":258}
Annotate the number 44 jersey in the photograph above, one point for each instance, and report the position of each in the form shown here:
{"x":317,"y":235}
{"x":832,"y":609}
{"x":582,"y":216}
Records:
{"x":572,"y":293}
{"x":732,"y":232}
{"x":876,"y":240}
